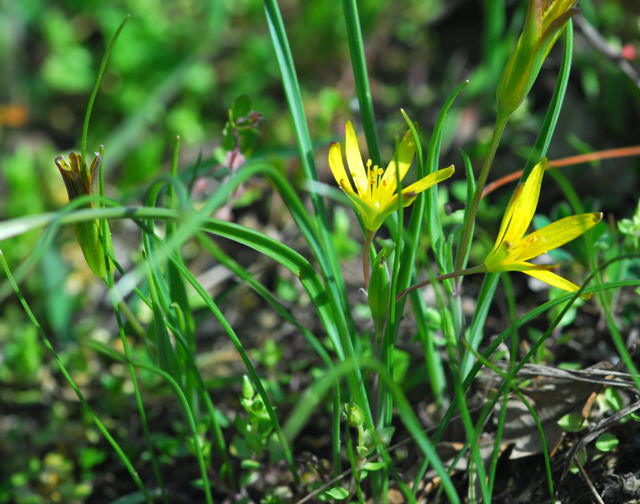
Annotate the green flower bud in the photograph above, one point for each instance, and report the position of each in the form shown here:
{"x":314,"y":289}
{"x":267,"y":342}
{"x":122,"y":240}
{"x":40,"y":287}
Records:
{"x":354,"y":415}
{"x":379,"y":291}
{"x":247,"y":388}
{"x":78,"y":179}
{"x":543,"y":25}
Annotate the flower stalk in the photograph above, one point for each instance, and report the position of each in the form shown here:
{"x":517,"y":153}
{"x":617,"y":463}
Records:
{"x":470,"y":214}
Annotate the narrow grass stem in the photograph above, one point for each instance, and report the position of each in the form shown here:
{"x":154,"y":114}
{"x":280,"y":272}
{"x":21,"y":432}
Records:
{"x":144,"y":421}
{"x":470,"y":214}
{"x":109,"y":281}
{"x":132,"y":319}
{"x":96,"y":87}
{"x":453,"y":274}
{"x":354,"y":462}
{"x":184,"y":403}
{"x":361,"y":77}
{"x":119,"y":305}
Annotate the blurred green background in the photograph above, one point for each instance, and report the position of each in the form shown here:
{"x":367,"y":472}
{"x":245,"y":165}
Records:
{"x":176,"y":70}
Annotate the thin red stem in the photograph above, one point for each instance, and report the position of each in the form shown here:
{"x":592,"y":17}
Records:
{"x":619,"y":152}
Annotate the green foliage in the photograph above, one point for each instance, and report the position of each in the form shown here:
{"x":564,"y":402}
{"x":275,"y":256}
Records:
{"x":22,"y":355}
{"x":606,"y":442}
{"x":630,"y":229}
{"x":257,"y":427}
{"x":234,"y":256}
{"x":572,"y":422}
{"x":241,"y":132}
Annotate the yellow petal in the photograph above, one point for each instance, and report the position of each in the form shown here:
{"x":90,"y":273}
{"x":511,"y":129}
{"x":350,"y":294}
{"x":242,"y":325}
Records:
{"x":401,"y":162}
{"x":554,"y":235}
{"x":526,"y":266}
{"x":337,"y":167}
{"x":506,"y":219}
{"x":410,"y":192}
{"x":426,"y":182}
{"x":553,"y":279}
{"x":354,"y":160}
{"x":523,"y":206}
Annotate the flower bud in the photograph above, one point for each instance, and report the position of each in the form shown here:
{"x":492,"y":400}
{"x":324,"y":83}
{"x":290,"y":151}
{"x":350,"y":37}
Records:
{"x":247,"y":388}
{"x":379,"y":291}
{"x":78,"y":179}
{"x":544,"y":22}
{"x":354,"y":415}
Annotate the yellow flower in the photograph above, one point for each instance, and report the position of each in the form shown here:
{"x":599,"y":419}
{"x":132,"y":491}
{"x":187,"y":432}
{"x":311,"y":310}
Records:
{"x":374,"y":195}
{"x":513,"y":249}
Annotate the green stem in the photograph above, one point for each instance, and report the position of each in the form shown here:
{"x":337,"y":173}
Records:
{"x":470,"y":214}
{"x":368,"y":238}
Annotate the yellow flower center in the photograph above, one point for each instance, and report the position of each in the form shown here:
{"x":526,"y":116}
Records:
{"x":374,"y":175}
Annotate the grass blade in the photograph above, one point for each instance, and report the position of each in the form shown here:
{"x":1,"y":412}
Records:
{"x":96,"y":87}
{"x":543,"y":140}
{"x":63,"y":369}
{"x":361,"y":78}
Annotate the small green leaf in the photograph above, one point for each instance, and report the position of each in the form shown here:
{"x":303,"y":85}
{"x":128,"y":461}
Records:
{"x":133,"y":498}
{"x":634,"y":416}
{"x":248,"y":139}
{"x":241,"y":107}
{"x":613,"y":398}
{"x":606,"y":442}
{"x":386,"y":434}
{"x":379,"y":289}
{"x":338,"y":493}
{"x":373,"y":466}
{"x":581,"y":458}
{"x":252,"y":465}
{"x":90,"y":457}
{"x":572,"y":422}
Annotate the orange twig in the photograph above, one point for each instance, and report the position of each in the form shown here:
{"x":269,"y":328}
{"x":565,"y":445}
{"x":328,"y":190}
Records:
{"x":567,"y":161}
